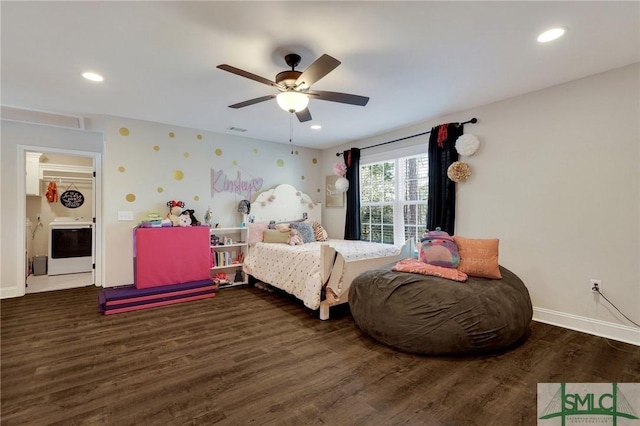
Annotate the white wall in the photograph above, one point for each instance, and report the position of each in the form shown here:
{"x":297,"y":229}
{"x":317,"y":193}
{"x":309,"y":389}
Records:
{"x":12,"y":135}
{"x":139,"y":175}
{"x":557,"y":180}
{"x":142,"y":165}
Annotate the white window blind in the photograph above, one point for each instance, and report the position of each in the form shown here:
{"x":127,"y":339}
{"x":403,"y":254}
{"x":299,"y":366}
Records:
{"x":393,"y":199}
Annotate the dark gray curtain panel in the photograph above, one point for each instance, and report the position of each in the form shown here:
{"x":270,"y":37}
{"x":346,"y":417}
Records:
{"x":441,"y":201}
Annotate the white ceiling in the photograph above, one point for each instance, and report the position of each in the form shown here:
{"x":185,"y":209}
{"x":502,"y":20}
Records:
{"x":415,"y":60}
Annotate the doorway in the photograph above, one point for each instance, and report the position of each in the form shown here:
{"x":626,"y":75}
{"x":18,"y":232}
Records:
{"x":66,"y":195}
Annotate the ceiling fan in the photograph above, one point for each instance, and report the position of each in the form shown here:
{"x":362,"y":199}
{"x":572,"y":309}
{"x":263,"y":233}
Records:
{"x":294,"y":86}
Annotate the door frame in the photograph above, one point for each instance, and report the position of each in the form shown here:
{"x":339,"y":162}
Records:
{"x":21,"y":203}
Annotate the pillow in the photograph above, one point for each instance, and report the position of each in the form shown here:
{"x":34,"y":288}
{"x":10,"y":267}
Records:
{"x":306,"y":230}
{"x":437,"y":248}
{"x":283,"y":227}
{"x":415,"y":266}
{"x":478,"y":258}
{"x":255,"y":232}
{"x":275,"y":236}
{"x":319,"y":232}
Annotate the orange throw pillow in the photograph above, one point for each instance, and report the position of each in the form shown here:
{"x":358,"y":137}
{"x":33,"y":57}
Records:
{"x":478,"y":258}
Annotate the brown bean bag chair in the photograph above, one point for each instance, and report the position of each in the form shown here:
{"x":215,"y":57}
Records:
{"x":436,"y":316}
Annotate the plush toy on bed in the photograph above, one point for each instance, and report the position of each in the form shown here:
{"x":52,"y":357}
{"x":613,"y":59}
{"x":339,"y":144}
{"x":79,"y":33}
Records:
{"x":175,"y":209}
{"x":295,"y":238}
{"x":438,"y":248}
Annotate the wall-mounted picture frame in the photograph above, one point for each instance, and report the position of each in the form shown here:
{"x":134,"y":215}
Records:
{"x":333,"y":197}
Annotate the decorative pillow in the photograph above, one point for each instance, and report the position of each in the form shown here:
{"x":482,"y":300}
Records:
{"x":319,"y":232}
{"x":416,"y":266}
{"x":478,"y":258}
{"x":275,"y":236}
{"x":283,"y":227}
{"x":437,"y":248}
{"x":255,"y":231}
{"x":306,"y":230}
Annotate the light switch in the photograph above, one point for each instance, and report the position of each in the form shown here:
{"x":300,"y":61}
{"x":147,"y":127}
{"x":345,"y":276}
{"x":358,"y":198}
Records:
{"x":125,"y":216}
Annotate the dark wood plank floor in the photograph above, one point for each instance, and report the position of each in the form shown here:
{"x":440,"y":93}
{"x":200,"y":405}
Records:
{"x":253,"y":357}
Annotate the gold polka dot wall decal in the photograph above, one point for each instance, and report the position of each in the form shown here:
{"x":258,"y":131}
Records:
{"x":124,"y":131}
{"x":255,"y":150}
{"x":186,"y":155}
{"x":318,"y":189}
{"x":171,"y":134}
{"x":196,"y":198}
{"x":199,"y":137}
{"x":280,"y":163}
{"x":130,"y":198}
{"x":160,"y":189}
{"x":121,"y":169}
{"x":178,"y":175}
{"x":302,"y":177}
{"x":314,"y":161}
{"x":218,"y":152}
{"x":235,"y":162}
{"x":156,"y":148}
{"x":296,"y":152}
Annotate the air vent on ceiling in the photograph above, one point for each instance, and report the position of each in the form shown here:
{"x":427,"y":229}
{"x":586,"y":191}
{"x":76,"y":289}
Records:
{"x":41,"y":117}
{"x":236,"y":129}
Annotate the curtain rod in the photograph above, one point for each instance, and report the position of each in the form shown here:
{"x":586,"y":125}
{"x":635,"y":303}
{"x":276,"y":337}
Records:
{"x":473,"y":120}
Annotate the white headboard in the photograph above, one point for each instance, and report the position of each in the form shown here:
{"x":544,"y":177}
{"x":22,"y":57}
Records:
{"x":284,"y":203}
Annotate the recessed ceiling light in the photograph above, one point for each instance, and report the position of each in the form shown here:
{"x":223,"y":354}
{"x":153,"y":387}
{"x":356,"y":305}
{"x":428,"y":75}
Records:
{"x":92,"y":76}
{"x":316,"y":126}
{"x":551,"y":35}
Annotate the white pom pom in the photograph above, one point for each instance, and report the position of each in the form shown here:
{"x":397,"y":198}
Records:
{"x":467,"y":144}
{"x":342,"y":184}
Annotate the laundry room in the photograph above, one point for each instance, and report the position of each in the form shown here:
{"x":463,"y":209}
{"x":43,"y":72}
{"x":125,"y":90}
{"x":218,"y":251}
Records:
{"x":59,"y":229}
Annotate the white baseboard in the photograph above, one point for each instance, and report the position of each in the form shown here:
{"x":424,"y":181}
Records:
{"x":595,"y":327}
{"x":7,"y":292}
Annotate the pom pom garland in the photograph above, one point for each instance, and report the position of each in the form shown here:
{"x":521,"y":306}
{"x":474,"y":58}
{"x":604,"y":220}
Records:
{"x":467,"y":145}
{"x":340,"y":169}
{"x":342,"y":184}
{"x":459,"y":171}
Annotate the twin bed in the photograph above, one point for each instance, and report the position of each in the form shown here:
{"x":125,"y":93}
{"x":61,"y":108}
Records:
{"x":317,"y":273}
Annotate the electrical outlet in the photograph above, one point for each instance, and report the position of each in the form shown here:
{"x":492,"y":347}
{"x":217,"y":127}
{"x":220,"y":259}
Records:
{"x":595,"y":285}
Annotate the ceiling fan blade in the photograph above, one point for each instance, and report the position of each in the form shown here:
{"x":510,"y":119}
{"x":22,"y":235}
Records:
{"x":252,"y":101}
{"x":321,"y":67}
{"x":246,"y":74}
{"x":343,"y":98}
{"x":303,"y":115}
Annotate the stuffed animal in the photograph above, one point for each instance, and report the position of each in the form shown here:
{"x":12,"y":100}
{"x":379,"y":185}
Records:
{"x":438,"y":248}
{"x":194,"y":221}
{"x":184,"y":220}
{"x":175,"y":209}
{"x":295,"y":238}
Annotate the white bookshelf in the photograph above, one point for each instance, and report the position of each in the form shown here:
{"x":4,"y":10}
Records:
{"x":228,"y":254}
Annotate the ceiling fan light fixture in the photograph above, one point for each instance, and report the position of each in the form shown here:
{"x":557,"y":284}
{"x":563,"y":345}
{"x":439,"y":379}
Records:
{"x":292,"y":101}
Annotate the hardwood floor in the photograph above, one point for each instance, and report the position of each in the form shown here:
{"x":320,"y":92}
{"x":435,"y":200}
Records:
{"x":253,"y":357}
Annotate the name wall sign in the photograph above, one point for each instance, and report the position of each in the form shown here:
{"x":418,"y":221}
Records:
{"x":221,"y":182}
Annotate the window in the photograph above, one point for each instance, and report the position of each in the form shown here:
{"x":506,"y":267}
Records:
{"x":393,"y":199}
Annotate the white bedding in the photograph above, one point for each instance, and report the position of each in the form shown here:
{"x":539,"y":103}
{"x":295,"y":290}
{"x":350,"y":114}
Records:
{"x":297,"y":269}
